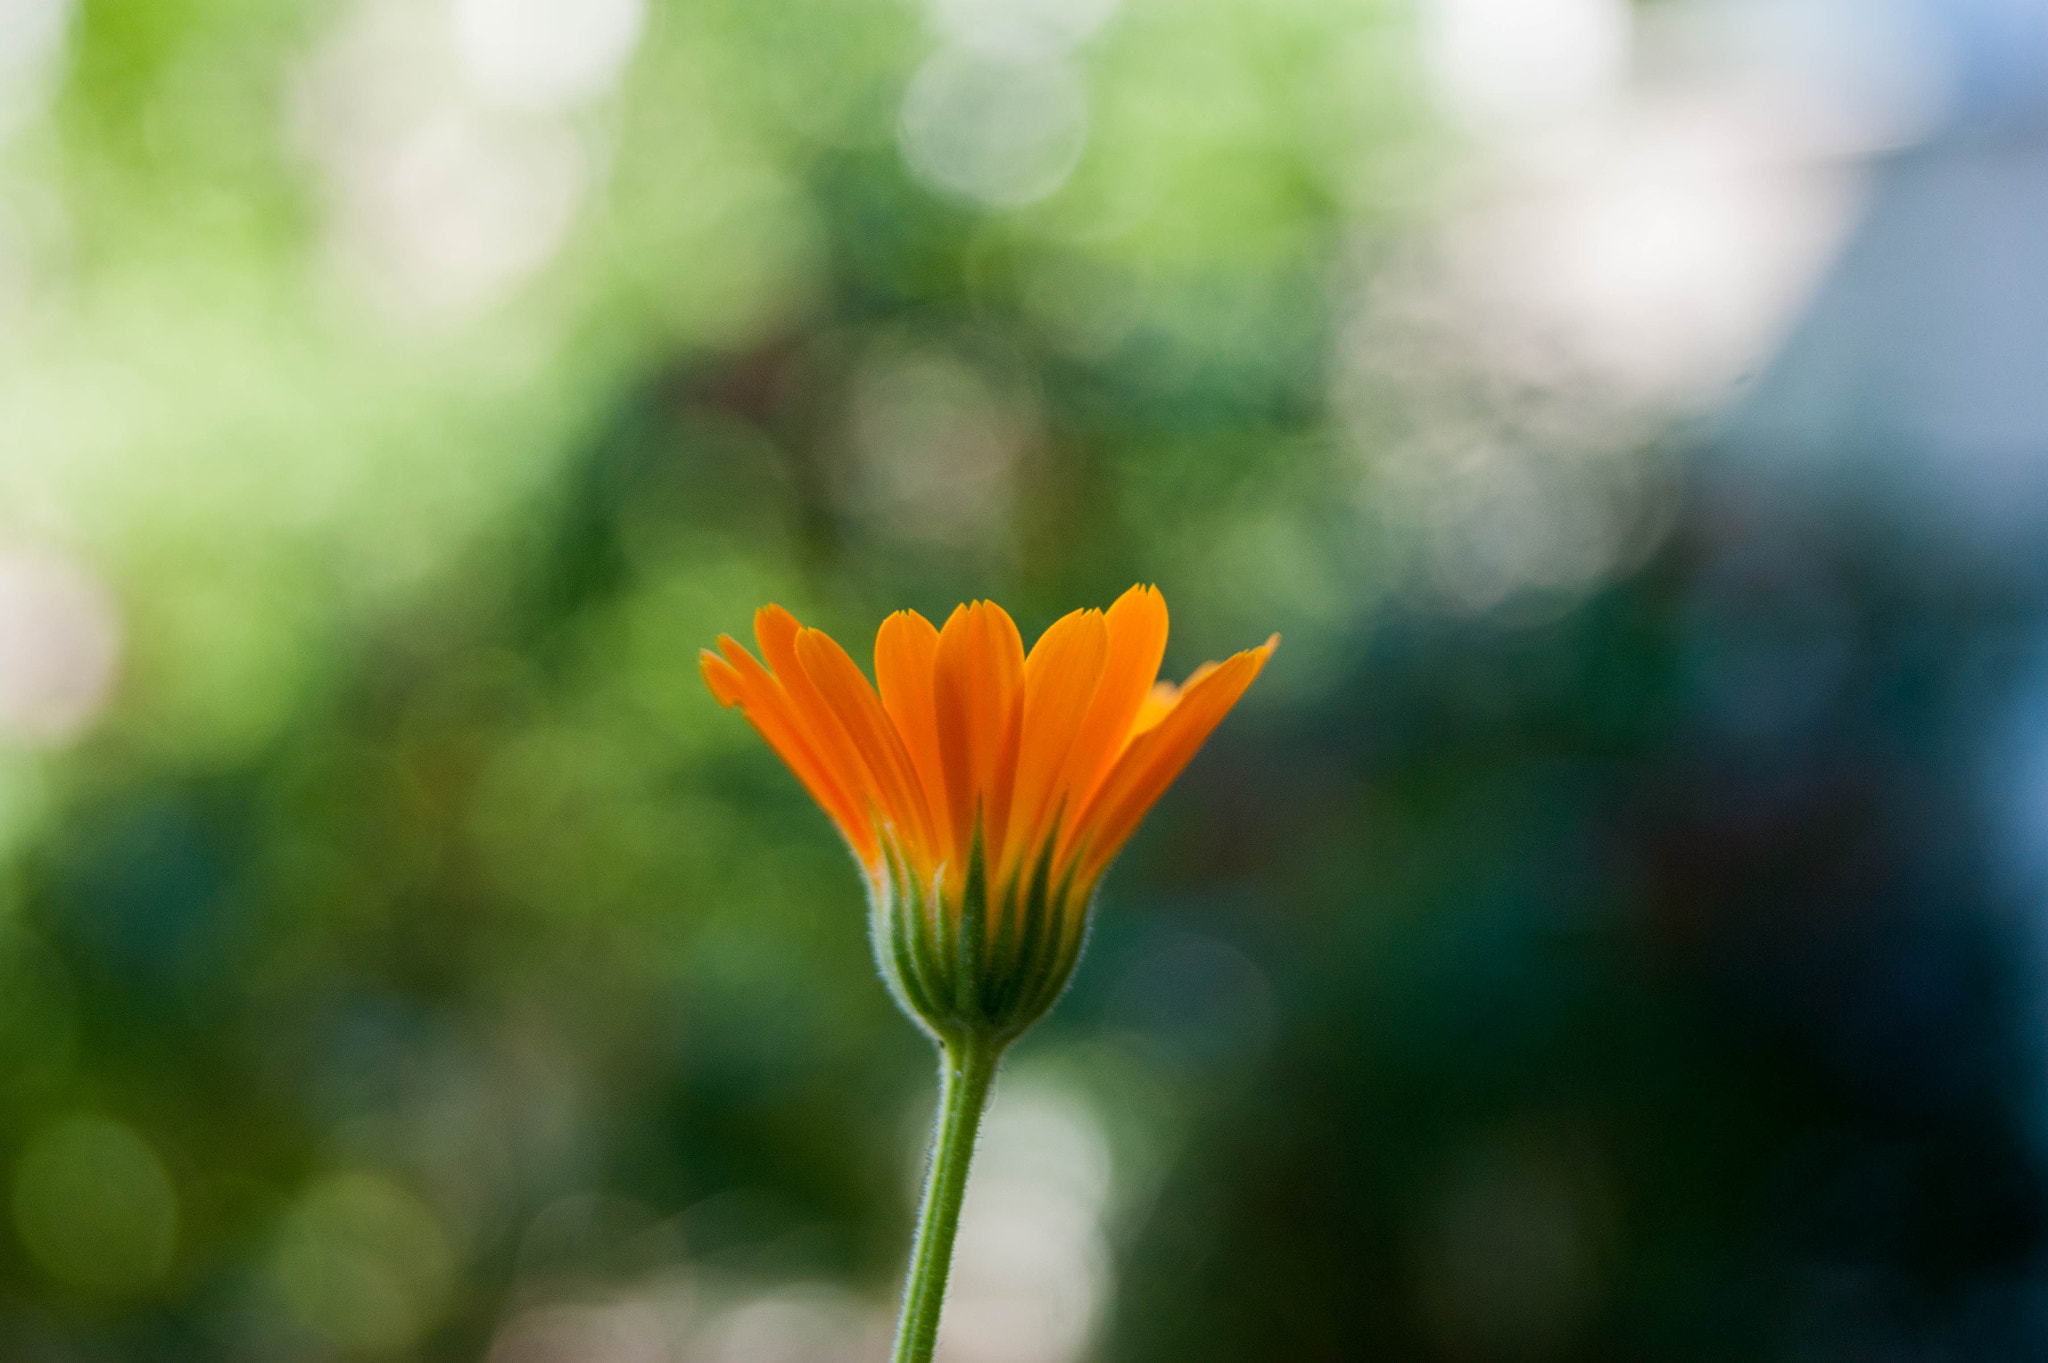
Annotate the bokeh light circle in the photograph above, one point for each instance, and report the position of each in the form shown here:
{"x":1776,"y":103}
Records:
{"x":1001,"y":131}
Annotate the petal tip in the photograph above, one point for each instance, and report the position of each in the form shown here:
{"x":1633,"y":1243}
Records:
{"x":722,"y":679}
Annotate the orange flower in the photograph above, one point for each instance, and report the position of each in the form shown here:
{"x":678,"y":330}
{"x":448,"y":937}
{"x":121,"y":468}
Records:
{"x":983,"y":790}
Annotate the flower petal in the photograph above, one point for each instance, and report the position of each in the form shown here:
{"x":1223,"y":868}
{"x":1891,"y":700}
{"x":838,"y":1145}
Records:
{"x":1158,"y":755}
{"x":977,"y":687}
{"x":1136,"y":625}
{"x":843,"y":687}
{"x":1060,"y":681}
{"x":737,"y":679}
{"x":1158,"y":704}
{"x":777,"y":630}
{"x":906,"y":647}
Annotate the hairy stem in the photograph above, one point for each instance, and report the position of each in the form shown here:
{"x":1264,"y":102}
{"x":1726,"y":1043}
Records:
{"x":967,"y":1073}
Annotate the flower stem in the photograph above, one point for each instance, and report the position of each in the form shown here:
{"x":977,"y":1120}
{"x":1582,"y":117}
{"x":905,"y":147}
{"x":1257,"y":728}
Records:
{"x":967,"y":1072}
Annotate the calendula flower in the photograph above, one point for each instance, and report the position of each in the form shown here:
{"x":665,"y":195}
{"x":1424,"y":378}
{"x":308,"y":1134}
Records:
{"x":984,"y":790}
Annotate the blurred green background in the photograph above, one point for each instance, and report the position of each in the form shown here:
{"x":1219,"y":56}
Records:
{"x":1602,"y":934}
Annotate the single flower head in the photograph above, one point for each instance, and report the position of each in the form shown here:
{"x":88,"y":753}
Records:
{"x":983,"y":789}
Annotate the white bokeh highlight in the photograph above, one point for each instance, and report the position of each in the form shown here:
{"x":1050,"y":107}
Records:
{"x":1507,"y":61}
{"x":450,"y":142}
{"x":1654,"y":194}
{"x":1002,"y":131}
{"x":545,"y":55}
{"x":33,"y":35}
{"x":60,"y":646}
{"x":1031,"y":1266}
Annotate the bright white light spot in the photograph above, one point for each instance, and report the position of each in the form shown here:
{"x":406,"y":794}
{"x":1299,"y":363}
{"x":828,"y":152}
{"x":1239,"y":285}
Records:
{"x":1502,"y":61}
{"x":1844,"y":76}
{"x":32,"y":34}
{"x":1001,"y":131}
{"x":545,"y":54}
{"x":1022,"y":27}
{"x":437,"y":206}
{"x":1048,"y":1140}
{"x":469,"y":207}
{"x":1670,"y":261}
{"x":1501,"y":379}
{"x":1489,"y":451}
{"x":60,"y":639}
{"x":1031,"y":1269}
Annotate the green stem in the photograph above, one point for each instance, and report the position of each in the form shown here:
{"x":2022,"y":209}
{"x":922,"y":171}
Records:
{"x":967,"y":1071}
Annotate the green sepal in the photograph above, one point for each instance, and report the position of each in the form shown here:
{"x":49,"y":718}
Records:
{"x":990,"y":965}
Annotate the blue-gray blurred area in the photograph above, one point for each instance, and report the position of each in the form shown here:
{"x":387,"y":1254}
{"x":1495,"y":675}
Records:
{"x":1613,"y":928}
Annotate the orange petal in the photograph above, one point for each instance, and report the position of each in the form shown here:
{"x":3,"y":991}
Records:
{"x":777,"y":630}
{"x":905,"y":648}
{"x":1060,"y":679}
{"x":723,"y":679}
{"x":1165,"y":695}
{"x":977,"y":684}
{"x":1136,"y":624}
{"x":839,"y":680}
{"x":737,"y":679}
{"x":1162,"y":698}
{"x":1159,"y":755}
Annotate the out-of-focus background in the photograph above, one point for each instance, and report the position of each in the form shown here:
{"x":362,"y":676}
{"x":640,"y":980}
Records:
{"x":1615,"y":928}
